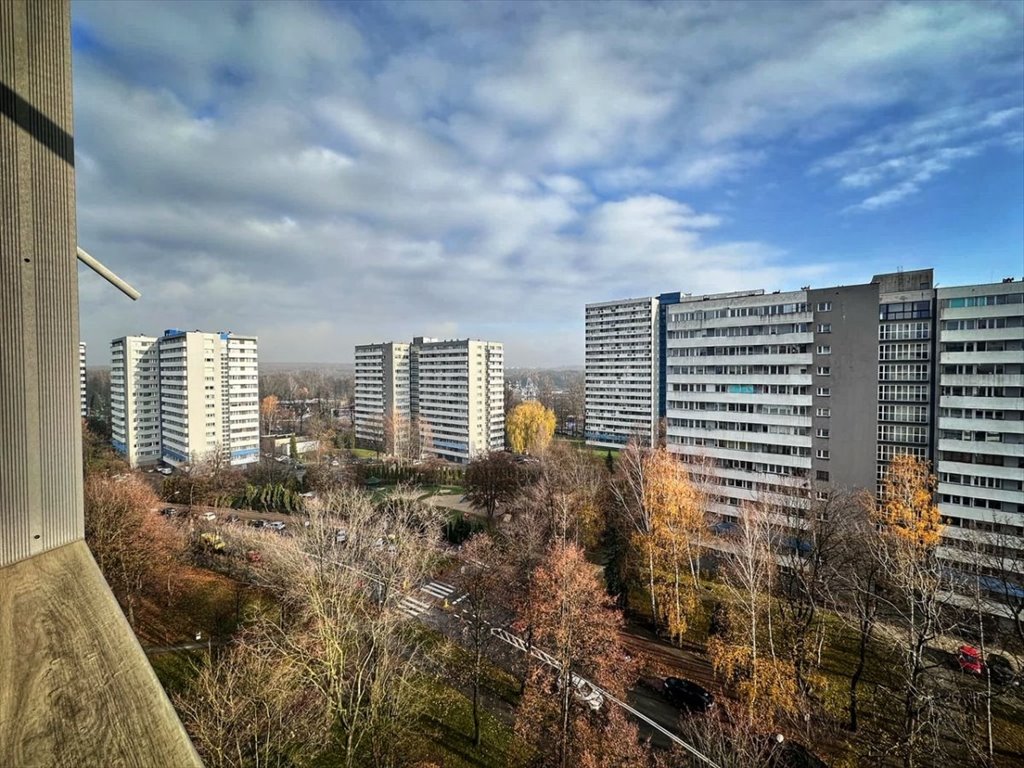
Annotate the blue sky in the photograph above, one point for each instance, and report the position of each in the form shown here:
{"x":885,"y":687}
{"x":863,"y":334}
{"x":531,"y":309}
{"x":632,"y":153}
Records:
{"x":330,"y":174}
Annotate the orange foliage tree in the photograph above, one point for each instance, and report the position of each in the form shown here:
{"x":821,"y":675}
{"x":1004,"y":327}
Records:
{"x":908,"y":510}
{"x":573,"y":620}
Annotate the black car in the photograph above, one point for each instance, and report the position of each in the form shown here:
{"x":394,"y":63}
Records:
{"x":169,"y":512}
{"x":688,"y":696}
{"x":1001,"y":670}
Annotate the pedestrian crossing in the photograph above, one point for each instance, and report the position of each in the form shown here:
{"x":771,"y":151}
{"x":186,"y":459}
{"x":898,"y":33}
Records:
{"x":435,"y":590}
{"x":412,"y":607}
{"x":438,"y":589}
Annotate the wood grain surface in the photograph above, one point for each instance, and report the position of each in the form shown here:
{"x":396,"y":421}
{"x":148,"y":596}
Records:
{"x":75,"y":686}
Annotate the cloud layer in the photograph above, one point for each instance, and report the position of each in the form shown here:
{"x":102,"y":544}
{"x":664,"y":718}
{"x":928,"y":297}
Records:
{"x":327,"y":175}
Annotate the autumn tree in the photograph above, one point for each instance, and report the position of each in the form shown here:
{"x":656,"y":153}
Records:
{"x":574,"y":622}
{"x":269,"y":413}
{"x":908,"y":509}
{"x":807,"y":581}
{"x":484,"y":579}
{"x":568,"y":487}
{"x":399,"y":440}
{"x":492,"y":479}
{"x":666,"y":514}
{"x":916,"y":587}
{"x":745,"y":655}
{"x":530,"y":428}
{"x":344,"y":616}
{"x":133,"y":547}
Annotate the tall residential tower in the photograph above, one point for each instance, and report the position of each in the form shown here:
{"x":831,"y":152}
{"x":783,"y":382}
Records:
{"x":431,"y":398}
{"x":184,"y":397}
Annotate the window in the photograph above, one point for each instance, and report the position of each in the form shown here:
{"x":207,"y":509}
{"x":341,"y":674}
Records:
{"x":821,"y":432}
{"x":824,"y":392}
{"x":824,"y":306}
{"x":824,"y":349}
{"x":906,"y":310}
{"x":824,"y":327}
{"x":822,"y":453}
{"x":824,"y":370}
{"x":821,"y":475}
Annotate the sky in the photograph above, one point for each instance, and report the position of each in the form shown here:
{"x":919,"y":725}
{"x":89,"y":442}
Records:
{"x":323,"y":175}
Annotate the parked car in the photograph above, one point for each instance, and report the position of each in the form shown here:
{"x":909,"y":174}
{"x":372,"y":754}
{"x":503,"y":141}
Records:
{"x":164,"y":470}
{"x":688,"y":696}
{"x":1001,"y":669}
{"x":169,"y":512}
{"x":276,"y":525}
{"x":255,"y":523}
{"x":969,"y":659}
{"x":341,"y":536}
{"x":210,"y":516}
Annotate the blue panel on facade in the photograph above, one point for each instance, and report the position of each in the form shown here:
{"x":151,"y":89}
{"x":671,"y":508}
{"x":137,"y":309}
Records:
{"x":664,"y":300}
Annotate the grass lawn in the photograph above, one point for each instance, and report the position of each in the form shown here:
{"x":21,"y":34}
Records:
{"x":363,"y":453}
{"x":581,"y":444}
{"x":447,"y":733}
{"x":446,"y":722}
{"x":176,"y":670}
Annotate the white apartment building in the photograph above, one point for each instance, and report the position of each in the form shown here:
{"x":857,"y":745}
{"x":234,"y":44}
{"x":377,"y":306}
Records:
{"x":622,"y":373}
{"x":449,"y":395}
{"x":81,"y":379}
{"x":198,"y":391}
{"x":241,"y":408}
{"x":135,"y":399}
{"x":739,"y":391}
{"x":383,"y":417}
{"x":980,"y":452}
{"x":461,"y":398}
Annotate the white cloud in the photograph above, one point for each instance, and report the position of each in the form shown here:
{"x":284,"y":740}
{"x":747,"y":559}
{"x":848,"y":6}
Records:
{"x":899,"y":160}
{"x":321,"y":178}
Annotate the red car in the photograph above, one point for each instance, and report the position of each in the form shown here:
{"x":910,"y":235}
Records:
{"x":969,"y":659}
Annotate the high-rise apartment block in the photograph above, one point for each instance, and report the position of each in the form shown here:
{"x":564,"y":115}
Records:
{"x":622,"y":372}
{"x":184,"y":397}
{"x":980,"y":452}
{"x":793,"y":394}
{"x":135,"y":398}
{"x":431,"y":398}
{"x":83,"y":404}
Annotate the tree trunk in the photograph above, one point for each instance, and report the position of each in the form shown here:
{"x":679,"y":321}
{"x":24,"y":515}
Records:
{"x":650,"y":567}
{"x":862,"y":651}
{"x":476,"y":696}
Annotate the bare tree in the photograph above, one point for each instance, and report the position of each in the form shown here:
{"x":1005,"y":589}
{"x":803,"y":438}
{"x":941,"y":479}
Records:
{"x":252,"y":707}
{"x":134,"y":547}
{"x":344,"y":580}
{"x":631,"y":493}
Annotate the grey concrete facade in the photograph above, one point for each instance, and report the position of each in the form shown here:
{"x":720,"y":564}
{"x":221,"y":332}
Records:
{"x":844,"y":363}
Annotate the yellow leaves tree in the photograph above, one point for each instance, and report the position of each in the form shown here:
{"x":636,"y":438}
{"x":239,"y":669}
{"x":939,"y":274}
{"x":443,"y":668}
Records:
{"x":908,"y":511}
{"x":530,"y":428}
{"x":269,"y":411}
{"x":665,"y":510}
{"x":677,"y":528}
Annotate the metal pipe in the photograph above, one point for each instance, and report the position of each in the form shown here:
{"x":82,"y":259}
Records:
{"x":107,"y":275}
